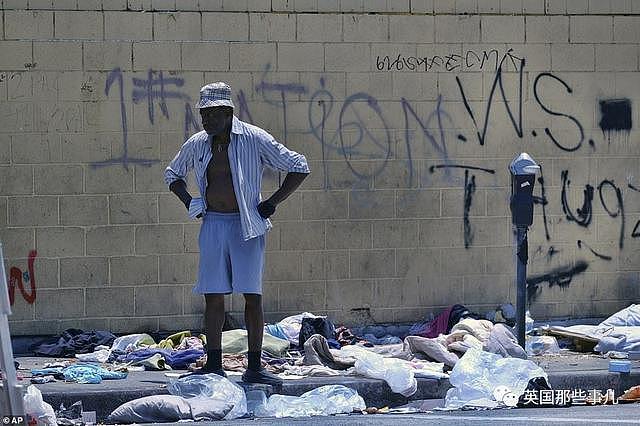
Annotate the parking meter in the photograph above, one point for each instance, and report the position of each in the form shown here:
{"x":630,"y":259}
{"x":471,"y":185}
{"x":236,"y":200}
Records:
{"x":523,"y":177}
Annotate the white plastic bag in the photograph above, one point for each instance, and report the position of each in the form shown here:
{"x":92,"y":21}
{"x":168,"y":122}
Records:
{"x":35,"y":406}
{"x":214,"y":388}
{"x":101,"y":356}
{"x":395,"y":372}
{"x":478,"y":373}
{"x":322,"y":401}
{"x":541,"y":345}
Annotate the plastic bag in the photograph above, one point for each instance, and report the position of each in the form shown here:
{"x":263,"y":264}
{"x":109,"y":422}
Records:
{"x":35,"y":407}
{"x":539,"y":345}
{"x":152,"y":409}
{"x":395,"y":372}
{"x":478,"y":374}
{"x":101,"y":355}
{"x":256,"y":400}
{"x":131,"y":342}
{"x":211,"y":387}
{"x":322,"y":401}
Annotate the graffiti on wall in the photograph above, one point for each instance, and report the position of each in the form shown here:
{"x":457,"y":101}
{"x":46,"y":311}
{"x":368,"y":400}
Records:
{"x":18,"y":279}
{"x":360,"y":130}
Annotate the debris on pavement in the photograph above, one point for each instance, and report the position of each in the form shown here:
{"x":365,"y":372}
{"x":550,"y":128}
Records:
{"x":322,"y":401}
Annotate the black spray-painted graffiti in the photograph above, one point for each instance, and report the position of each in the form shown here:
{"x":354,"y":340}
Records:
{"x":468,"y":61}
{"x":560,"y":277}
{"x":615,"y":115}
{"x":583,"y":214}
{"x":353,"y":138}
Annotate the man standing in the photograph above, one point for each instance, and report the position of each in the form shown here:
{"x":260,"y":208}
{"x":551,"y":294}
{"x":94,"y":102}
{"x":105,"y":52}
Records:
{"x":228,"y":158}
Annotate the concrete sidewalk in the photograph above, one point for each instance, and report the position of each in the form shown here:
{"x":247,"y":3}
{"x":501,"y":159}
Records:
{"x":567,"y":371}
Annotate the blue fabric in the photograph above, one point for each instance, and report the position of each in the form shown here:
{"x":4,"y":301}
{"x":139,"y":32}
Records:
{"x":90,"y":373}
{"x":276,"y":331}
{"x":55,"y":371}
{"x":250,"y":151}
{"x":227,"y":262}
{"x":179,"y":360}
{"x":333,"y":343}
{"x":385,"y":340}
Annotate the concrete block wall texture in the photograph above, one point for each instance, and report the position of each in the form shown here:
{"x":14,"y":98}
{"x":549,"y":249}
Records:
{"x":408,"y":111}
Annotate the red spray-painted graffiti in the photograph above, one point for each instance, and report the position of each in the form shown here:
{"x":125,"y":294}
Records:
{"x":15,"y":279}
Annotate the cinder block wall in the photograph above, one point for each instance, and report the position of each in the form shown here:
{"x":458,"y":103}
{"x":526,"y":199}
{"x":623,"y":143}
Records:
{"x":409,"y":112}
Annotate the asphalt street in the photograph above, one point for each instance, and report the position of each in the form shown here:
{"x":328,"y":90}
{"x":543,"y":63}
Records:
{"x":583,"y":415}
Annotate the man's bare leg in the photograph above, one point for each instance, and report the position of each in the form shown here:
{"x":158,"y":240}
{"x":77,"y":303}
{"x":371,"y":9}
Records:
{"x":254,"y":320}
{"x":213,"y":322}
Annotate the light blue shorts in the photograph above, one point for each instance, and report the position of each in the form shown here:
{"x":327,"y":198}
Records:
{"x":228,"y":264}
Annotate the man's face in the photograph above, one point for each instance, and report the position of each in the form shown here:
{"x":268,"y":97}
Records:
{"x":216,"y":119}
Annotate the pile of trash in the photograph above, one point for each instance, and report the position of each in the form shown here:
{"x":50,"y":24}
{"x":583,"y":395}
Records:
{"x":478,"y":354}
{"x":616,"y":337}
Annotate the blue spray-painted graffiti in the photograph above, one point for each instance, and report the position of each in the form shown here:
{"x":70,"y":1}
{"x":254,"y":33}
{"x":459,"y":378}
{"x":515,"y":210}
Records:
{"x":353,"y":139}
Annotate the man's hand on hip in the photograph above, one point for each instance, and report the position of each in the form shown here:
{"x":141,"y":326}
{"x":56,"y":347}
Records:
{"x":266,"y":209}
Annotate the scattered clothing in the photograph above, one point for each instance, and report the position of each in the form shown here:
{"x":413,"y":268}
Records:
{"x":154,"y":362}
{"x":443,"y":323}
{"x":316,"y":371}
{"x":172,"y":341}
{"x":275,"y":330}
{"x":38,"y":380}
{"x":101,"y":355}
{"x":73,"y":341}
{"x":48,"y":371}
{"x":628,"y":317}
{"x":90,"y":373}
{"x":317,"y":352}
{"x":176,"y":359}
{"x":191,"y":343}
{"x":131,"y":342}
{"x":318,"y":325}
{"x":501,"y":341}
{"x":432,"y":347}
{"x":432,"y":328}
{"x":345,"y":337}
{"x":385,"y":340}
{"x":235,"y":342}
{"x":291,"y":325}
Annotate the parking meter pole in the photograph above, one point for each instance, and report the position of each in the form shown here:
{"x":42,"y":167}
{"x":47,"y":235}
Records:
{"x":523,"y":171}
{"x":521,"y":282}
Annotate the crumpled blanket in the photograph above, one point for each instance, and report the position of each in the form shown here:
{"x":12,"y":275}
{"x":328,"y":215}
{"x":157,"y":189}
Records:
{"x":467,"y":334}
{"x":176,"y":359}
{"x":317,"y":352}
{"x":235,"y":342}
{"x":501,"y":341}
{"x":434,"y":348}
{"x":90,"y":373}
{"x":73,"y":341}
{"x":627,"y":317}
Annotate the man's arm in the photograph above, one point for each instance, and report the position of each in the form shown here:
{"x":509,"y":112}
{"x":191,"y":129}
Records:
{"x":179,"y":187}
{"x":291,"y":182}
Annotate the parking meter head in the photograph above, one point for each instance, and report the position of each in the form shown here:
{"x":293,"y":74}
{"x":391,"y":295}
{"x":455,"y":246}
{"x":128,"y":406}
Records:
{"x":523,"y":171}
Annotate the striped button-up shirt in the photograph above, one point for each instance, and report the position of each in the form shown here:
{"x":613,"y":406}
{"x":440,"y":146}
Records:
{"x":250,"y":150}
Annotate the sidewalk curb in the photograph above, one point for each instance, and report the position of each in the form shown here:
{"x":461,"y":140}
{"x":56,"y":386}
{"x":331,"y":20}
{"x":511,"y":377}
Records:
{"x":375,"y":392}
